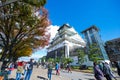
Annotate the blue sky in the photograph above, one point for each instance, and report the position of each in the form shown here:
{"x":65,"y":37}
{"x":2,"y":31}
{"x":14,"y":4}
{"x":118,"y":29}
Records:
{"x":81,"y":14}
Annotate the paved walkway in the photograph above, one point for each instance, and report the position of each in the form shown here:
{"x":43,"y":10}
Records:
{"x":41,"y":74}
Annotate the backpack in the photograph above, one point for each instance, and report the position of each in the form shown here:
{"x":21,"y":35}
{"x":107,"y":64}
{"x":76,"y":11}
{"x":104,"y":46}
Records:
{"x":30,"y":66}
{"x":106,"y":70}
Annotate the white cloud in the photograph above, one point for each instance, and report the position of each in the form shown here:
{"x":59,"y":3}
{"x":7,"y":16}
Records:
{"x":53,"y":30}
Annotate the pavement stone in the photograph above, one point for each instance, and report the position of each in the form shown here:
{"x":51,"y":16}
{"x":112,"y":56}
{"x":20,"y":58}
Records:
{"x":41,"y":74}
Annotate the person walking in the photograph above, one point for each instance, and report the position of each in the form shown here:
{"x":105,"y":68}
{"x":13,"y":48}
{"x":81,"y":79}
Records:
{"x":62,"y":67}
{"x":29,"y":69}
{"x":57,"y":67}
{"x":10,"y":68}
{"x":97,"y":72}
{"x":25,"y":68}
{"x":100,"y":64}
{"x":50,"y":66}
{"x":38,"y":64}
{"x":69,"y":68}
{"x":19,"y":70}
{"x":117,"y":65}
{"x":108,"y":72}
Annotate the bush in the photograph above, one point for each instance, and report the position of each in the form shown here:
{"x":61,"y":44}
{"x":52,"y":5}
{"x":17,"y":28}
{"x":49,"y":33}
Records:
{"x":83,"y":67}
{"x":90,"y":68}
{"x":75,"y":67}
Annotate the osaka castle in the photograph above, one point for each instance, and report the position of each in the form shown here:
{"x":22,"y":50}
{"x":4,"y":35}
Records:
{"x":65,"y":43}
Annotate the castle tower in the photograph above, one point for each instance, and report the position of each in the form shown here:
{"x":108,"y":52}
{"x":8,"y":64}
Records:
{"x":65,"y":43}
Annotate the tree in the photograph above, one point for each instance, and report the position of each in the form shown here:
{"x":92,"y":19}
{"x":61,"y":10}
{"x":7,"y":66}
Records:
{"x":57,"y":60}
{"x":43,"y":59}
{"x":51,"y":60}
{"x":62,"y":53}
{"x":21,"y":28}
{"x":63,"y":60}
{"x":27,"y":51}
{"x":68,"y":60}
{"x":81,"y":56}
{"x":95,"y":53}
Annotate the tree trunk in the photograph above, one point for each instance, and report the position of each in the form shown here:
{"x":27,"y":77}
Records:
{"x":3,"y":55}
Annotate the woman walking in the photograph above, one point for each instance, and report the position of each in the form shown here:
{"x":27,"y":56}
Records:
{"x":19,"y":70}
{"x":97,"y":72}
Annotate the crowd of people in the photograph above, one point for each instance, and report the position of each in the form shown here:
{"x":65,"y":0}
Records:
{"x":103,"y":69}
{"x":23,"y":70}
{"x":57,"y":67}
{"x":27,"y":67}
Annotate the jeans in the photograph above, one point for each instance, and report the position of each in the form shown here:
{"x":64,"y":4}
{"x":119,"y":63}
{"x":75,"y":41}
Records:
{"x":18,"y":76}
{"x":49,"y":73}
{"x":57,"y":72}
{"x":9,"y":72}
{"x":27,"y":77}
{"x":25,"y":72}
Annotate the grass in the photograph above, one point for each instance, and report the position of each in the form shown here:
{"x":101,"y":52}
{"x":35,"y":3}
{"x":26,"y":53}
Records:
{"x":76,"y":68}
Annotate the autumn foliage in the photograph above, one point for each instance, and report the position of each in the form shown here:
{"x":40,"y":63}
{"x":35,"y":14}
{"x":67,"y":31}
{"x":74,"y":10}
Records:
{"x":23,"y":28}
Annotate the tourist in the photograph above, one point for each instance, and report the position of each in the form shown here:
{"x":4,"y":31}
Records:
{"x":57,"y":67}
{"x":19,"y":71}
{"x":69,"y":68}
{"x":97,"y":72}
{"x":25,"y":68}
{"x":101,"y":66}
{"x":29,"y":70}
{"x":10,"y":68}
{"x":38,"y":64}
{"x":108,"y":72}
{"x":118,"y":67}
{"x":50,"y":66}
{"x":62,"y":66}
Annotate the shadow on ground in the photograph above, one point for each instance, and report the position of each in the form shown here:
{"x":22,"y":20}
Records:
{"x":53,"y":74}
{"x":88,"y":74}
{"x":82,"y":79}
{"x":42,"y":77}
{"x":11,"y":79}
{"x":78,"y":79}
{"x":90,"y":79}
{"x":14,"y":79}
